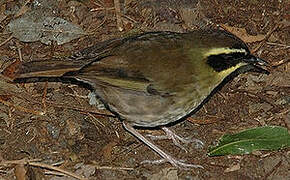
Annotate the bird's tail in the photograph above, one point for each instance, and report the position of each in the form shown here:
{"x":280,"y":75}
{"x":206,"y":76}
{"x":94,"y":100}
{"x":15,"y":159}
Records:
{"x":40,"y":69}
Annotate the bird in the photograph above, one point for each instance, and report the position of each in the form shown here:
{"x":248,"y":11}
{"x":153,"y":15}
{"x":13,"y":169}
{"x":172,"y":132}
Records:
{"x":151,"y":79}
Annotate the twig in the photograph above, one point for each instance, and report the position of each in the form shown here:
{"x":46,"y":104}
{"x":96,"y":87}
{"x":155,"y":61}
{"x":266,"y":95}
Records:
{"x":273,"y":170}
{"x":53,"y":104}
{"x":277,"y":44}
{"x":101,"y":8}
{"x":203,"y":121}
{"x":266,"y":37}
{"x":20,"y":108}
{"x":86,"y":110}
{"x":23,"y":9}
{"x":114,"y":168}
{"x":95,"y":120}
{"x":43,"y":100}
{"x":118,"y":15}
{"x":4,"y":42}
{"x":21,"y":161}
{"x":19,"y":53}
{"x":129,"y":18}
{"x":104,"y":20}
{"x":274,"y":65}
{"x":46,"y":166}
{"x":261,"y":97}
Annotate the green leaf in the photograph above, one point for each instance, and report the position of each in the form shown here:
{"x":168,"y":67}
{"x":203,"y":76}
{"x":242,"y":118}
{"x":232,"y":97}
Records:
{"x":245,"y":142}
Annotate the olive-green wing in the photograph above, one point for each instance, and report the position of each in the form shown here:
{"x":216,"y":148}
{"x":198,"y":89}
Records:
{"x":153,"y":63}
{"x":111,"y":71}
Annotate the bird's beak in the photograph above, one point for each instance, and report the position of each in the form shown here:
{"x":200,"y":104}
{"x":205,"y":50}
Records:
{"x":257,"y":64}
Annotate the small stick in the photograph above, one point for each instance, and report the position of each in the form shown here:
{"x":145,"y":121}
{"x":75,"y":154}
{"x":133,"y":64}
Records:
{"x":43,"y":100}
{"x":4,"y":42}
{"x":20,"y":108}
{"x":266,"y":37}
{"x":118,"y":15}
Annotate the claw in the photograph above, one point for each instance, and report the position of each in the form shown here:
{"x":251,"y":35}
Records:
{"x":164,"y":155}
{"x":177,"y":139}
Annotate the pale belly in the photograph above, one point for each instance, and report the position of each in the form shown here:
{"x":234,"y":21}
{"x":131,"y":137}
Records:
{"x":146,"y":110}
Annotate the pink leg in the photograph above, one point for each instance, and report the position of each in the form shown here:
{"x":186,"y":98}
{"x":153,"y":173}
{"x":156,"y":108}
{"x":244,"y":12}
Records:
{"x":165,"y":156}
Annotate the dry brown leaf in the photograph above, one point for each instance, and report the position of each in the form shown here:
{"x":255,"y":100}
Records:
{"x":242,"y":33}
{"x":107,"y":150}
{"x":233,"y":168}
{"x":11,"y":70}
{"x":20,"y":172}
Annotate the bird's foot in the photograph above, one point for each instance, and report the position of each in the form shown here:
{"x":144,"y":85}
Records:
{"x":177,"y":163}
{"x":166,"y":157}
{"x":177,"y":140}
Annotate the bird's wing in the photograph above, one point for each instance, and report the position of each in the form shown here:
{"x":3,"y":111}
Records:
{"x":111,"y":71}
{"x":154,"y":64}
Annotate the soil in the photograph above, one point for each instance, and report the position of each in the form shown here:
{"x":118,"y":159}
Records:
{"x":89,"y":141}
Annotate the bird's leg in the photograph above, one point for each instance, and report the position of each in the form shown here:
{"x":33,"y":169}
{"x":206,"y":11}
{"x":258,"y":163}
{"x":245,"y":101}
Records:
{"x":164,"y":155}
{"x":177,"y":139}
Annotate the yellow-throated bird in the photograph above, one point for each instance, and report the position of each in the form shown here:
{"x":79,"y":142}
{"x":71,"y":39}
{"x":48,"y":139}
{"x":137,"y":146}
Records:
{"x":151,"y":79}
